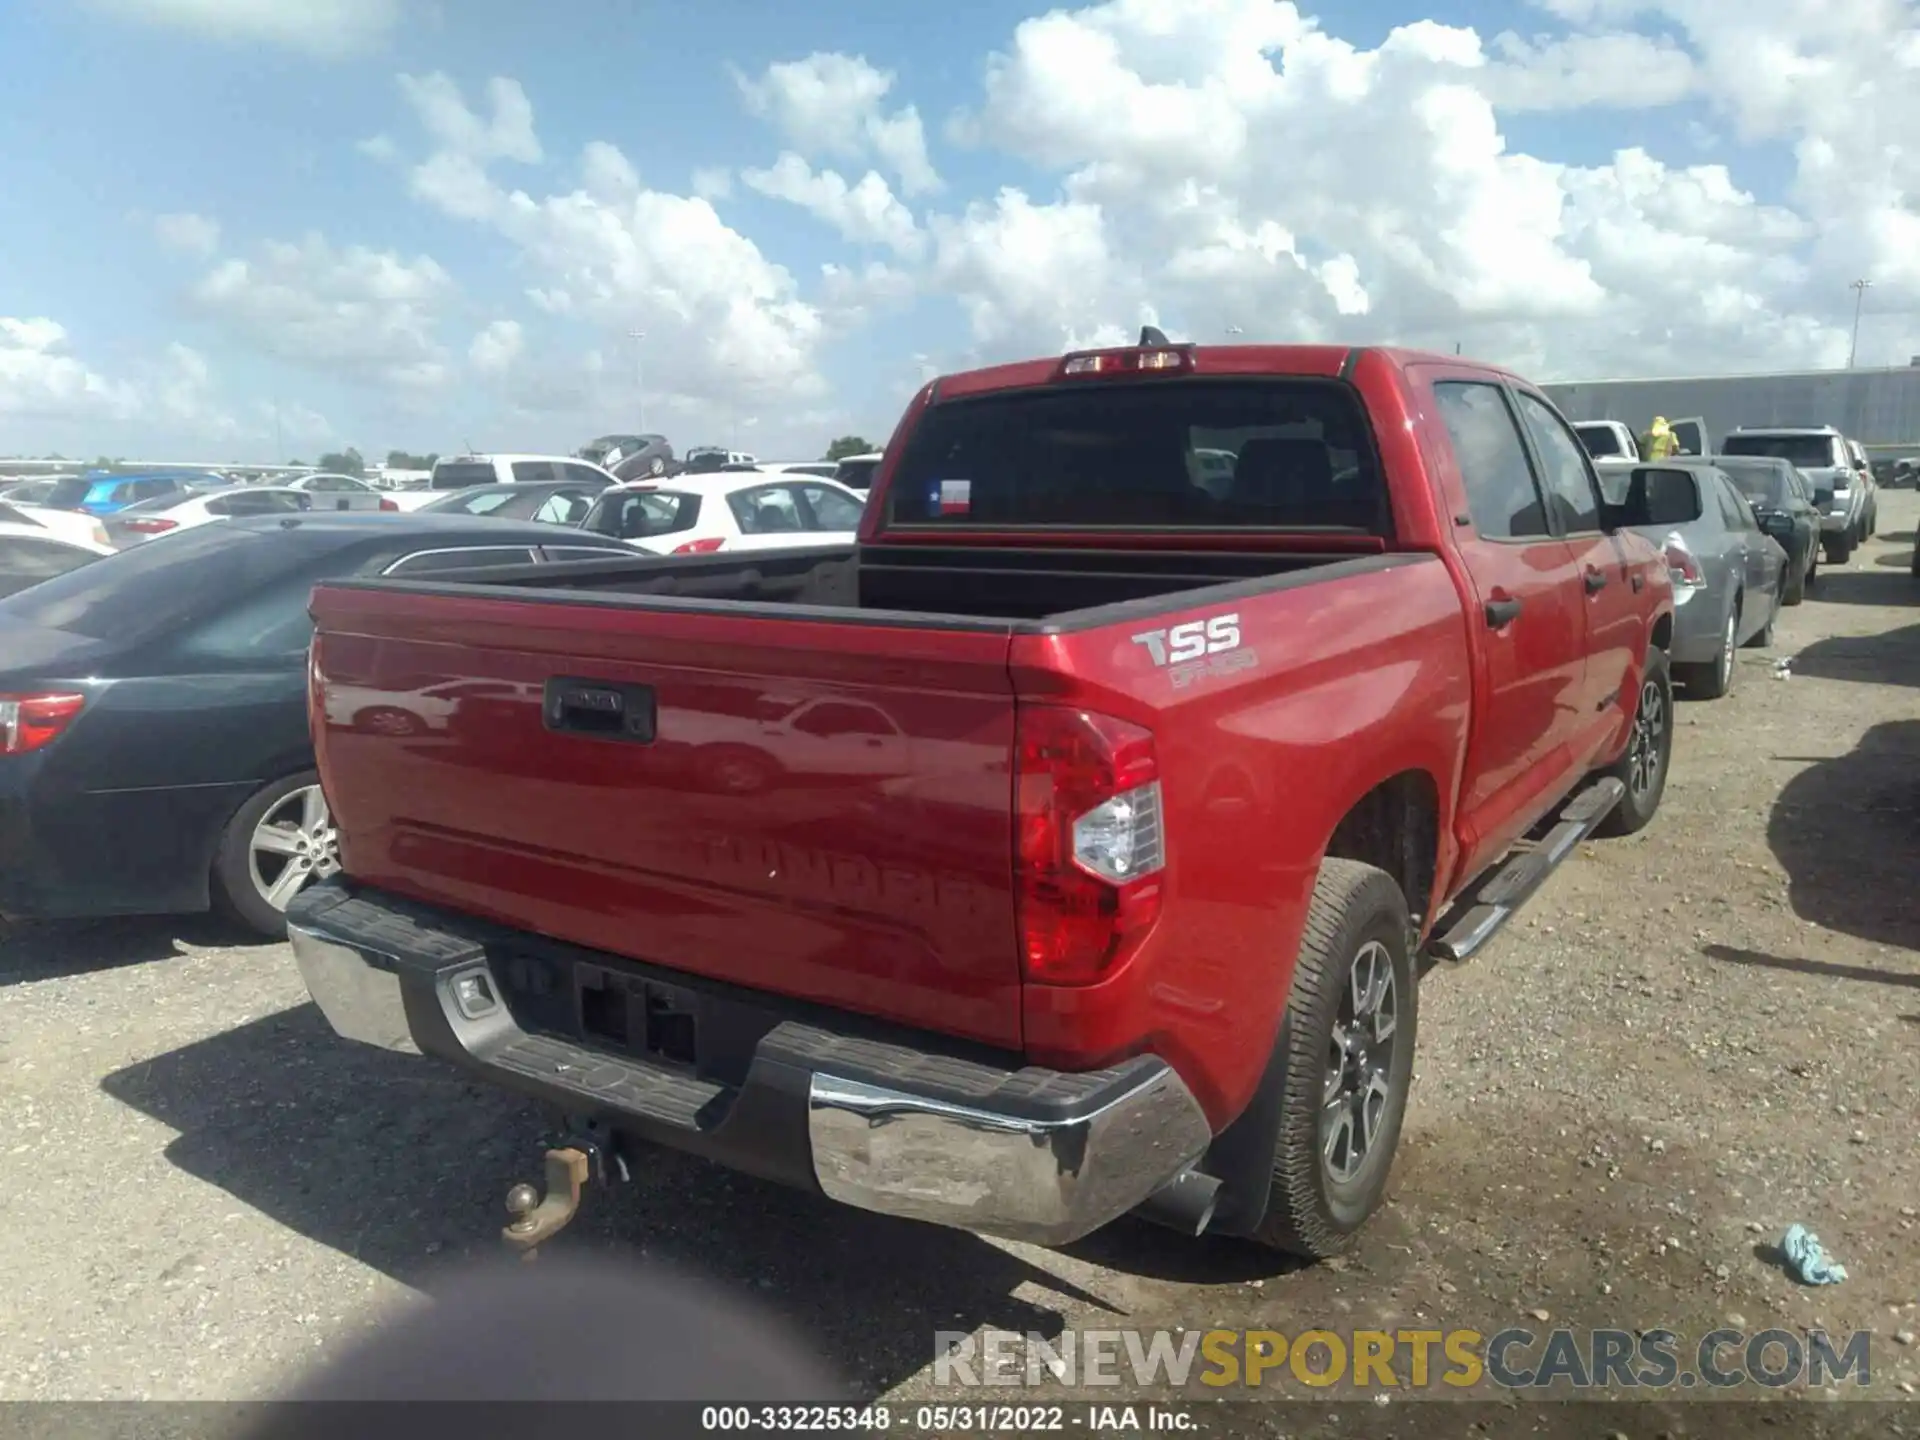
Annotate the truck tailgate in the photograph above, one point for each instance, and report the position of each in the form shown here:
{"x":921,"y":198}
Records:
{"x":815,"y":808}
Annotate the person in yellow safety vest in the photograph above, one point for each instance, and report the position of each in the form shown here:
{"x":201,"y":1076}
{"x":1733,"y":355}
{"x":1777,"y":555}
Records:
{"x":1659,"y":441}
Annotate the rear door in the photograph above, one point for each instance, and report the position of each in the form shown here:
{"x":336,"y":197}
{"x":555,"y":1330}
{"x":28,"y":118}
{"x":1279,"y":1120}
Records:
{"x":774,"y":517}
{"x":1529,"y":626}
{"x":1615,"y":627}
{"x":1751,"y":549}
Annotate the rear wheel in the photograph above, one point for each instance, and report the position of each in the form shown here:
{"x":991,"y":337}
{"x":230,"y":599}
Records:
{"x":1839,"y":549}
{"x":1763,"y":637}
{"x":1347,"y":1051}
{"x":277,"y":844}
{"x":1795,"y":590}
{"x":656,"y":466}
{"x":1715,"y":678}
{"x":1642,"y":769}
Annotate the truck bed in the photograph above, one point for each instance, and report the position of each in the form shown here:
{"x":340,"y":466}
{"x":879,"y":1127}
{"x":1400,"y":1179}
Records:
{"x":820,"y":807}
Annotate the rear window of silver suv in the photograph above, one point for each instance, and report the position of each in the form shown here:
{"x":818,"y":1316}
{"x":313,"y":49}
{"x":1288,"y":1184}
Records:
{"x":1809,"y":452}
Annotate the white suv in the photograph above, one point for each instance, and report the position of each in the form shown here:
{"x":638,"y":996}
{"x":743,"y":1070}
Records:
{"x":1842,"y":491}
{"x":461,"y":472}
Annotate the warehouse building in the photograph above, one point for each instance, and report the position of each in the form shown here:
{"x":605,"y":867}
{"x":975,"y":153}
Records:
{"x":1879,"y":408}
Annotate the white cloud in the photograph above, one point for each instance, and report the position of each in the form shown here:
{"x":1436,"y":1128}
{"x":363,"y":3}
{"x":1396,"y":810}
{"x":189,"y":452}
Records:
{"x":1230,"y":162}
{"x":830,"y":104}
{"x":495,"y":348}
{"x":380,"y":148}
{"x":39,"y":379}
{"x":620,"y":256}
{"x":188,"y":233}
{"x":507,"y":134}
{"x":321,"y":27}
{"x":867,"y":213}
{"x":370,"y":317}
{"x":714,"y":183}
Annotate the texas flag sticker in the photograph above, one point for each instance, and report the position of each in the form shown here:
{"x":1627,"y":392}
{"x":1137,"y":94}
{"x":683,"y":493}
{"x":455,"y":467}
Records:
{"x":956,"y":497}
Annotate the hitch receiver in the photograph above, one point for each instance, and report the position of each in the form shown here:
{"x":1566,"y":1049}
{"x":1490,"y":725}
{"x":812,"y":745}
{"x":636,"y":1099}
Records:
{"x":537,"y":1217}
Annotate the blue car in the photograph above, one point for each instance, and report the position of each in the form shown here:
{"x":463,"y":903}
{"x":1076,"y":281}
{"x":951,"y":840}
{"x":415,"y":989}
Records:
{"x":106,"y":494}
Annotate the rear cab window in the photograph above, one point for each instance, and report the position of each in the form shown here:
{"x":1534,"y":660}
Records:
{"x":1101,"y":453}
{"x":1810,"y":452}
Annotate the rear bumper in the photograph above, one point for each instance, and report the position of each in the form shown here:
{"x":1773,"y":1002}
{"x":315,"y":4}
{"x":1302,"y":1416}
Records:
{"x":890,"y":1121}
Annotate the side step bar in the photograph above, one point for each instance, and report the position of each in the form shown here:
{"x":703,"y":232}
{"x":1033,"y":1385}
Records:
{"x":1477,"y":918}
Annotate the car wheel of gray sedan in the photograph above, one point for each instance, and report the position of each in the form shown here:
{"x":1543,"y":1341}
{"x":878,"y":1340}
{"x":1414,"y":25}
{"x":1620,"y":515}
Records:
{"x":1839,"y":550}
{"x":277,"y":844}
{"x":1715,"y":678}
{"x":656,"y":466}
{"x":1763,"y":637}
{"x":1796,"y":585}
{"x":1346,"y":1045}
{"x":1642,"y":767}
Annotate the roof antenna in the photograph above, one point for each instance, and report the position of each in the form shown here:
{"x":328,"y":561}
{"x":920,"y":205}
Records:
{"x":1153,"y":335}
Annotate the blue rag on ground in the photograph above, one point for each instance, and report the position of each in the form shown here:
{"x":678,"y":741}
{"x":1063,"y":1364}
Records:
{"x":1806,"y":1261}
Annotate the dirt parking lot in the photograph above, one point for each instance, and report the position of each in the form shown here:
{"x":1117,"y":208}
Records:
{"x":1694,"y":1037}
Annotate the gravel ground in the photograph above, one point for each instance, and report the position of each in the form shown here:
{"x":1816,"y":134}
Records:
{"x":1693,"y":1038}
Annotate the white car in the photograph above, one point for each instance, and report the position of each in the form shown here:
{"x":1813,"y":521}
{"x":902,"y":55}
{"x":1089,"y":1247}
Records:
{"x":731,"y":510}
{"x":167,"y":513}
{"x":72,"y":525}
{"x":30,"y":554}
{"x":341,"y":492}
{"x":823,"y":468}
{"x":460,"y":472}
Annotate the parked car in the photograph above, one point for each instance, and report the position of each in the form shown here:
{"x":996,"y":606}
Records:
{"x":563,"y":502}
{"x":1906,"y":471}
{"x":1863,"y":469}
{"x":462,"y":472}
{"x":1608,"y":439}
{"x":708,"y":460}
{"x":1729,"y":576}
{"x":632,"y":455}
{"x":1783,"y":503}
{"x":106,"y":494}
{"x":74,"y":526}
{"x":341,"y":492}
{"x":153,"y":729}
{"x":697,"y":515}
{"x":1169,"y":795}
{"x":169,"y":513}
{"x":30,"y":554}
{"x":1822,"y":453}
{"x":856,"y":471}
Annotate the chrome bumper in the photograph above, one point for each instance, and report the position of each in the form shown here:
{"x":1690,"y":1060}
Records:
{"x":1048,"y":1182}
{"x":1046,"y":1157}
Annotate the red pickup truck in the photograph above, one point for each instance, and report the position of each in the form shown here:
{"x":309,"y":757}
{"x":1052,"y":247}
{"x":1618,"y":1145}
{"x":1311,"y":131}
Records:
{"x":1066,"y":848}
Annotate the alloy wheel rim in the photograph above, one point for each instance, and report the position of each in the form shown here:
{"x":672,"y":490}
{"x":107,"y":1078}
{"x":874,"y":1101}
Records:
{"x":1643,"y":763}
{"x":293,"y":845}
{"x":1358,"y":1085}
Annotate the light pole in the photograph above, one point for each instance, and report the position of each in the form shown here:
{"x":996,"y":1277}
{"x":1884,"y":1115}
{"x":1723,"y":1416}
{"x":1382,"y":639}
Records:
{"x":1235,"y":330}
{"x":1859,"y":288}
{"x":639,"y":375}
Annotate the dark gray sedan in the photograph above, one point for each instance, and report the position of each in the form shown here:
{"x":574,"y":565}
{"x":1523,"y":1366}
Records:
{"x":1729,"y":575}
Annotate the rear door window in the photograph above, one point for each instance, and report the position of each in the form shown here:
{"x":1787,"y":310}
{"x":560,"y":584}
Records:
{"x":767,"y":510}
{"x":534,"y":472}
{"x":460,"y":474}
{"x":564,"y":507}
{"x":1108,"y":453}
{"x":1503,"y":499}
{"x":1812,"y":452}
{"x":584,"y":475}
{"x":830,"y":509}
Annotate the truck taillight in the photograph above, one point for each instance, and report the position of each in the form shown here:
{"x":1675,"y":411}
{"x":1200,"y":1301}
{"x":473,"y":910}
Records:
{"x":700,"y":547}
{"x":1090,"y":849}
{"x":390,"y":506}
{"x":28,"y":722}
{"x":1682,"y":567}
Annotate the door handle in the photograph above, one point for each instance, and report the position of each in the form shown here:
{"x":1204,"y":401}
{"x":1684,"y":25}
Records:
{"x":1596,"y":581}
{"x":1501,"y":613}
{"x":602,"y":708}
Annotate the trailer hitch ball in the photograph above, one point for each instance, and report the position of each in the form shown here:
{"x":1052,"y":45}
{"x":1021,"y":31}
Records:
{"x":537,"y":1217}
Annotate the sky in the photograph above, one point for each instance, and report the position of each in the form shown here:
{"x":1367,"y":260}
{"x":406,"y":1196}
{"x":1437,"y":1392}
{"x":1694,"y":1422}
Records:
{"x":254,"y":230}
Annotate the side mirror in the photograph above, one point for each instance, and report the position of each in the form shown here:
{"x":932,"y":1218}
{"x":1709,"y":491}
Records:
{"x":1776,"y":524}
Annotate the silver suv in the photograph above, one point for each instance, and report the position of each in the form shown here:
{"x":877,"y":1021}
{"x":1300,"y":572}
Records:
{"x":1842,"y":492}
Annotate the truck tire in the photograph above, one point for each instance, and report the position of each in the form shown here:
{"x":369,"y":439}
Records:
{"x":1642,"y":766}
{"x":1335,"y":1082}
{"x":1714,"y":679}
